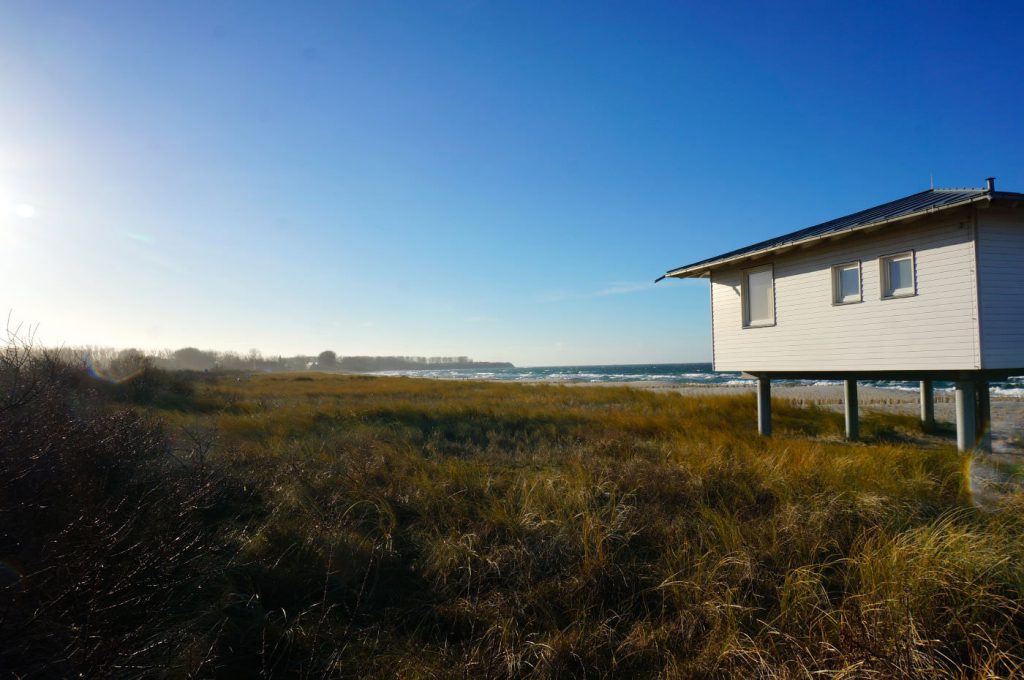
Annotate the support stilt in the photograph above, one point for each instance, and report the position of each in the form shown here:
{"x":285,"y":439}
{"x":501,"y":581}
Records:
{"x":984,"y":417}
{"x":927,"y":403}
{"x":852,"y":417}
{"x":764,"y":406}
{"x":966,"y":431}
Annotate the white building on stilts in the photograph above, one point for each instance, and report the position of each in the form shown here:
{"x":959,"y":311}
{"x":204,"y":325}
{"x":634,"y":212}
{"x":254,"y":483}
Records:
{"x":925,"y":288}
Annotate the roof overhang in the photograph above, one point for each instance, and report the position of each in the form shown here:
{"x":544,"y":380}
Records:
{"x":703,"y":268}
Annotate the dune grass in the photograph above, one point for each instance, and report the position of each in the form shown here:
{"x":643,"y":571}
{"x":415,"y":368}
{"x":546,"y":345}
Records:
{"x":394,"y":527}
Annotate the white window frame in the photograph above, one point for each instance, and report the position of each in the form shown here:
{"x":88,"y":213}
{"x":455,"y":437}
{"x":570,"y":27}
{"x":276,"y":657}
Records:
{"x":837,"y":289}
{"x":745,"y":299}
{"x":883,"y":275}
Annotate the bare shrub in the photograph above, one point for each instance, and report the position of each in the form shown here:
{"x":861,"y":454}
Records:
{"x":103,"y":543}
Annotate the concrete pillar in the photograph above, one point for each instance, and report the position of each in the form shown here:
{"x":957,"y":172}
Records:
{"x":927,"y":403}
{"x":984,"y":418}
{"x":966,"y":432}
{"x":764,"y":406}
{"x":852,"y":418}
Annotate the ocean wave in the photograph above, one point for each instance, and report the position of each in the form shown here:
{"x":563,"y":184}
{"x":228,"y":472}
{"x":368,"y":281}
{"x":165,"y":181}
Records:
{"x":675,"y":374}
{"x":1008,"y":391}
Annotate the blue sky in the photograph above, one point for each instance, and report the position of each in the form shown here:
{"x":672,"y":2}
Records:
{"x":498,"y":179}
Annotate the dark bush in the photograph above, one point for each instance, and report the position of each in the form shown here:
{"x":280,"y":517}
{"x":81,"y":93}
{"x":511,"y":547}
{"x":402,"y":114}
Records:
{"x":103,"y":549}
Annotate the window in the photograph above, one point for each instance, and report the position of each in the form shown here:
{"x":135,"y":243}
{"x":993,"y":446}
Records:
{"x":897,"y":273}
{"x":758,"y":297}
{"x":846,"y":283}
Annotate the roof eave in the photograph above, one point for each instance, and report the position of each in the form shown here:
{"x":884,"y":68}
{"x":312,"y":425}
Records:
{"x":703,"y":269}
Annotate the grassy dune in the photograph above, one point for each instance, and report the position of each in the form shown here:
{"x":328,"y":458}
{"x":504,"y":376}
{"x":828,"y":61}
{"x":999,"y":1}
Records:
{"x":393,"y":527}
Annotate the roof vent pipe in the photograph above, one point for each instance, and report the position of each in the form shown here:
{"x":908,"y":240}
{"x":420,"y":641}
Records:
{"x":990,"y":184}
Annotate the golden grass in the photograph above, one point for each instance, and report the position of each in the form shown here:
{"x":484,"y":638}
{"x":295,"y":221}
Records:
{"x":442,"y":529}
{"x":329,"y":526}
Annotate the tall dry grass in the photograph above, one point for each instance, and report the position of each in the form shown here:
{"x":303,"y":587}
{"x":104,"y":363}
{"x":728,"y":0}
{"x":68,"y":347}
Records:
{"x":392,"y":527}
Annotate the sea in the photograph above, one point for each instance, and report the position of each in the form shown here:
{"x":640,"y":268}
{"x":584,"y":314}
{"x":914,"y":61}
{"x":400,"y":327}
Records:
{"x":675,"y":374}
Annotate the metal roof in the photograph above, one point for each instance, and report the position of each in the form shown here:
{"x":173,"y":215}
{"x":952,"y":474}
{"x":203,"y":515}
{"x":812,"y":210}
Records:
{"x":921,"y":203}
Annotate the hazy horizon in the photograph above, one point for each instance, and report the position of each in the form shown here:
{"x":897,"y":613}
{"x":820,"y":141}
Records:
{"x":493,"y":180}
{"x":109,"y":351}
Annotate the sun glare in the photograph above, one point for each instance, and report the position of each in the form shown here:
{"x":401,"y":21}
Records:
{"x":25,"y":210}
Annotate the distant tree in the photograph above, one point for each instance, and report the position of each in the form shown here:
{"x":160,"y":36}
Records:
{"x":129,"y":362}
{"x":192,"y":359}
{"x":230,"y":361}
{"x":327,"y":359}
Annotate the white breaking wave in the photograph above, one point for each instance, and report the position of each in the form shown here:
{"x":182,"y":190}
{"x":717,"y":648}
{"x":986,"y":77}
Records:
{"x":675,"y":374}
{"x":1008,"y":391}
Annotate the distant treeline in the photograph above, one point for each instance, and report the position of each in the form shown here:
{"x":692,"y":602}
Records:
{"x":193,"y":359}
{"x":367,"y":364}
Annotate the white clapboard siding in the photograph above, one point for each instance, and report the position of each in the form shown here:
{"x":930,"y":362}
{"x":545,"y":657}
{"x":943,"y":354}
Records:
{"x":933,"y":330}
{"x":1000,"y":245}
